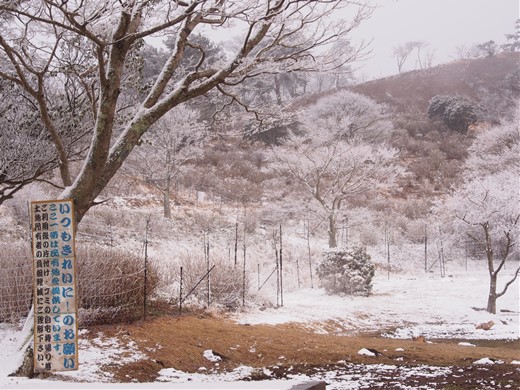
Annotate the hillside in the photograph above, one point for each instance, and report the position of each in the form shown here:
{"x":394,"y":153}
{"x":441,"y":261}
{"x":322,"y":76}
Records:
{"x":411,"y":91}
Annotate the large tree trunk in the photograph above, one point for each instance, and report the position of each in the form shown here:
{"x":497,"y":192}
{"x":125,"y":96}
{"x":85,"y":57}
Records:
{"x":332,"y":231}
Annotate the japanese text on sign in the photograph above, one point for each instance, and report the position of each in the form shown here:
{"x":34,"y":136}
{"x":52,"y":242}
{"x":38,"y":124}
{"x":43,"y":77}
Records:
{"x":55,"y":314}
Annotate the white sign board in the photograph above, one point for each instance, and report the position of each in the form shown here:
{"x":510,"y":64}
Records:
{"x":55,"y":304}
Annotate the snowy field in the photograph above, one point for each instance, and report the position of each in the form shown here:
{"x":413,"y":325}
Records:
{"x":401,"y":307}
{"x":421,"y":304}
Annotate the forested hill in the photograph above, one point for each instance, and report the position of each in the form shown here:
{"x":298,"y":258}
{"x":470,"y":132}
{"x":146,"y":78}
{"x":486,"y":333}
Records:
{"x":473,"y":78}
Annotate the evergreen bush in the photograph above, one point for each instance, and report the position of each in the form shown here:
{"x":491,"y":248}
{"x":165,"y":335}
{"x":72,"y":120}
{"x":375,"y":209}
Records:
{"x":347,"y":272}
{"x":456,"y":112}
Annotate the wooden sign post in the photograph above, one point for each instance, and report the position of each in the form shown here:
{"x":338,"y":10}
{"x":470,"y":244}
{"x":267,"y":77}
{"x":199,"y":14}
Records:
{"x":55,"y":303}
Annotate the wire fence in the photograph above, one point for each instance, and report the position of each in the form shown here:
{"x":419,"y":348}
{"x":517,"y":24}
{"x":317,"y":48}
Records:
{"x":15,"y":290}
{"x":115,"y":284}
{"x":110,"y":284}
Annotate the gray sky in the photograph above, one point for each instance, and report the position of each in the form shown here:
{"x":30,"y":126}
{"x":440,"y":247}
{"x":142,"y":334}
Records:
{"x":443,"y":24}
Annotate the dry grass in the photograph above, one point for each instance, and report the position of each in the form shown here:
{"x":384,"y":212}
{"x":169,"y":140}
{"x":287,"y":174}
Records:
{"x":15,"y":282}
{"x":111,"y":284}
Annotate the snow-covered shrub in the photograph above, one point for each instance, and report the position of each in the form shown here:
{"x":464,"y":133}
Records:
{"x":456,"y":112}
{"x":110,"y":284}
{"x":347,"y":271}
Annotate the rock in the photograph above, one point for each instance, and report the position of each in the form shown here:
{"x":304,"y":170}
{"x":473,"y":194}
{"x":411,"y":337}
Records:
{"x":375,"y":351}
{"x":485,"y":325}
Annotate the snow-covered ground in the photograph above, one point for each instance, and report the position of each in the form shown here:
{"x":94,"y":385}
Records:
{"x":401,"y":307}
{"x":422,"y":304}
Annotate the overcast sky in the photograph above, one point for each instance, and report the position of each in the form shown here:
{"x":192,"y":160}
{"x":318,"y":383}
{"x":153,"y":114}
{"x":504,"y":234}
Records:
{"x":443,"y":24}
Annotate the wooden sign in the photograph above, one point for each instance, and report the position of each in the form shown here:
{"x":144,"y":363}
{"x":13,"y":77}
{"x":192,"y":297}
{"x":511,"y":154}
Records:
{"x":55,"y":304}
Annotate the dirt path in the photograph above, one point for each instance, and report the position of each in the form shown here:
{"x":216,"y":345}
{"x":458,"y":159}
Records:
{"x":179,"y":343}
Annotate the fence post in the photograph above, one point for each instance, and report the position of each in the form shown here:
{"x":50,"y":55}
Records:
{"x":180,"y":295}
{"x":425,"y":249}
{"x":442,"y":263}
{"x":281,"y":267}
{"x":309,"y":249}
{"x":244,"y":271}
{"x":387,"y":247}
{"x":145,"y":292}
{"x":298,"y":272}
{"x":236,"y":243}
{"x":208,"y":281}
{"x":276,"y":254}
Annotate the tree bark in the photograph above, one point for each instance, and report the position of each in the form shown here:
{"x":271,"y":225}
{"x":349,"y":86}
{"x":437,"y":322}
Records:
{"x":332,"y":231}
{"x":166,"y":198}
{"x":492,"y":297}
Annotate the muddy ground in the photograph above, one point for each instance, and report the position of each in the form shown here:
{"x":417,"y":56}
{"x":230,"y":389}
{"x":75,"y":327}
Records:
{"x":289,"y":349}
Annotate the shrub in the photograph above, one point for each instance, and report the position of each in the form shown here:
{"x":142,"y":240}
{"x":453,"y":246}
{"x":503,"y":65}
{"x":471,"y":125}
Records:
{"x":110,"y":284}
{"x":347,"y":271}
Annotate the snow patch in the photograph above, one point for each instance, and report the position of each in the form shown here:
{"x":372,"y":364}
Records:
{"x":464,"y":344}
{"x":209,"y":355}
{"x":487,"y":360}
{"x":366,"y":352}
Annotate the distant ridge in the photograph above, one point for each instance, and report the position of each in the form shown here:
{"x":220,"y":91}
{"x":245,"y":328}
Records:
{"x":412,"y":91}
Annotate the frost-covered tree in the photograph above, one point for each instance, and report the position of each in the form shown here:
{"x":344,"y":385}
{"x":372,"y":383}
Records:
{"x":488,"y":48}
{"x":500,"y":104}
{"x":339,"y":154}
{"x":487,"y":206}
{"x":27,"y":153}
{"x":513,"y":39}
{"x":98,"y":44}
{"x":349,"y":116}
{"x":489,"y":214}
{"x":24,"y":146}
{"x":173,"y":140}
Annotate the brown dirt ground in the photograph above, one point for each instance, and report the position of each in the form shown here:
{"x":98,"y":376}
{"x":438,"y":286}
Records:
{"x":184,"y":339}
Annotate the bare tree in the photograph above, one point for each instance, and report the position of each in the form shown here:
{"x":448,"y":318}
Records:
{"x":424,"y":58}
{"x":106,"y":36}
{"x":402,"y":52}
{"x":462,"y":53}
